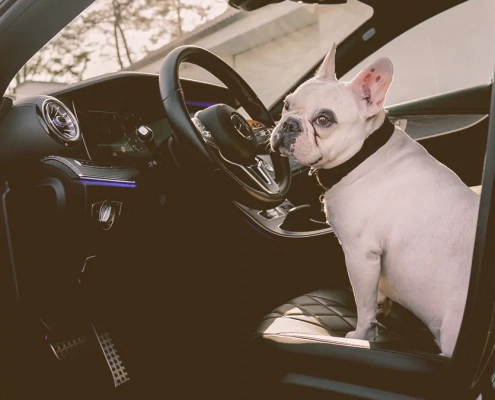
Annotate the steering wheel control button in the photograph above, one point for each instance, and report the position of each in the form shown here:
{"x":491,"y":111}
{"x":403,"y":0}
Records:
{"x":261,"y":132}
{"x":205,"y":134}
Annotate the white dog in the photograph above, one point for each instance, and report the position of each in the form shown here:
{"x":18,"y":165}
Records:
{"x":406,"y":222}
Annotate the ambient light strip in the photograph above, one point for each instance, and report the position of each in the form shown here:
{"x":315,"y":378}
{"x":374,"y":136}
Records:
{"x":199,"y":103}
{"x":104,"y":182}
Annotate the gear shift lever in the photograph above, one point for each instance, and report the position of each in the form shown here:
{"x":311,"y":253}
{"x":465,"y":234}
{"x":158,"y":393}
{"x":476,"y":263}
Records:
{"x":146,"y":135}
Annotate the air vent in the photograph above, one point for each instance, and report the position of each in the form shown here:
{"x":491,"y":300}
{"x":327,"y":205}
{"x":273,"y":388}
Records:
{"x":60,"y":123}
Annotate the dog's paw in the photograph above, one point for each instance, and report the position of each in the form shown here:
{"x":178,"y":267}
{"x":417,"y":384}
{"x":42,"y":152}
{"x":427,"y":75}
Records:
{"x":369,"y":334}
{"x":352,"y":335}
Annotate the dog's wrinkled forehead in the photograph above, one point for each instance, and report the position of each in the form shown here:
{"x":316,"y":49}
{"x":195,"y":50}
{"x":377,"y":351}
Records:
{"x":317,"y":93}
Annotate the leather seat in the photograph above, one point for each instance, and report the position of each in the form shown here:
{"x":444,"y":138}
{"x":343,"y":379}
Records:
{"x":299,"y":350}
{"x":328,"y":314}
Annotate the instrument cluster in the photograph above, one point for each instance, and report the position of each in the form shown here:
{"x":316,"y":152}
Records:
{"x":112,"y":135}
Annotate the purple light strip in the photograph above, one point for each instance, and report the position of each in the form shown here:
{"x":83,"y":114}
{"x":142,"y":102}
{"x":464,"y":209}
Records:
{"x":199,"y":103}
{"x":95,"y":182}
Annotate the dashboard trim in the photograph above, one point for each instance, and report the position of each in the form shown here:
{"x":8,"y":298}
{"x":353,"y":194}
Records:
{"x":95,"y":178}
{"x":272,"y":226}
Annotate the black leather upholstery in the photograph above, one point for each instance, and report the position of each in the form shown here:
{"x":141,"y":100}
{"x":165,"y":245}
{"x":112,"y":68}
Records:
{"x":331,"y":313}
{"x":301,"y":347}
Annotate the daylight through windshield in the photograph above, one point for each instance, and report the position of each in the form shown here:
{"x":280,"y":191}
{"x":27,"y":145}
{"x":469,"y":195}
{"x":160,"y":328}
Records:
{"x":270,"y":48}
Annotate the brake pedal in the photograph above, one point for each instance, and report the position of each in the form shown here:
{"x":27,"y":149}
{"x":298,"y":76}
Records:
{"x":112,"y":356}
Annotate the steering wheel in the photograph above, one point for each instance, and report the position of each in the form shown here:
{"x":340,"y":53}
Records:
{"x":222,"y":136}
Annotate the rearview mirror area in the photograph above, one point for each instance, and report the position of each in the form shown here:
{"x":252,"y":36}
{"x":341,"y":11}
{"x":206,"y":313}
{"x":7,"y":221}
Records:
{"x":251,"y":5}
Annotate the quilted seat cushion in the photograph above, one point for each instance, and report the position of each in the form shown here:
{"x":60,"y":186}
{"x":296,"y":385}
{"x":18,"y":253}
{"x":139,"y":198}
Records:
{"x":332,"y":313}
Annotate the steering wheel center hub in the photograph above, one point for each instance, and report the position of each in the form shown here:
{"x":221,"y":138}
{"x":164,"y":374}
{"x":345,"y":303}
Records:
{"x":231,"y":132}
{"x":241,"y":126}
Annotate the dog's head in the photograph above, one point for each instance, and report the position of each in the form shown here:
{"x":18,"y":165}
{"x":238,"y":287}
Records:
{"x":325,"y":122}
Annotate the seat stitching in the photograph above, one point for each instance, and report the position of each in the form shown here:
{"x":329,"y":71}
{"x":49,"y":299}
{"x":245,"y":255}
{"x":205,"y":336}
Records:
{"x":318,"y":325}
{"x":335,"y":311}
{"x":344,"y":317}
{"x":294,"y":317}
{"x":322,"y":323}
{"x":324,"y":298}
{"x":308,"y":322}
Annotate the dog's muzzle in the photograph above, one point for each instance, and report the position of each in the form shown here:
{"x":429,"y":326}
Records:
{"x":287,"y":134}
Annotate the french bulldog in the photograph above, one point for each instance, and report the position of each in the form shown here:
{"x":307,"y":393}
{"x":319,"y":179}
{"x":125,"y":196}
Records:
{"x":405,"y":221}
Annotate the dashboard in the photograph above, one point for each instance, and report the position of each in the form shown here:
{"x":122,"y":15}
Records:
{"x":110,"y":109}
{"x":110,"y":132}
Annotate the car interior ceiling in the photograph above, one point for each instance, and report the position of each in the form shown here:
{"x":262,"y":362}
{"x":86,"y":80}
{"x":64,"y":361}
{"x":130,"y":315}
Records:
{"x":189,"y":279}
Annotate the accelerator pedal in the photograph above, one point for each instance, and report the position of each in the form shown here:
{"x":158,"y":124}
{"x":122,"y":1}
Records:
{"x":119,"y":372}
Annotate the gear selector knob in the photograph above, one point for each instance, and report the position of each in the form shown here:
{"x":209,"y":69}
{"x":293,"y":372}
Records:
{"x":145,"y":134}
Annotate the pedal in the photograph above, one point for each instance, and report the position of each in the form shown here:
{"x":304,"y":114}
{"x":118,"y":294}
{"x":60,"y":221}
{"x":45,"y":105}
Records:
{"x":112,"y":357}
{"x":69,"y":349}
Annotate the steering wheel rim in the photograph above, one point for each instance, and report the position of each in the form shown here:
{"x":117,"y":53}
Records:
{"x":195,"y":138}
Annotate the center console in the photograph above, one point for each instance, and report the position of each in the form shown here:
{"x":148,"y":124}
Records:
{"x":288,"y":220}
{"x":299,"y":216}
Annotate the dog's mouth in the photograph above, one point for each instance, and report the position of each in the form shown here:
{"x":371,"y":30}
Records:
{"x":279,"y":146}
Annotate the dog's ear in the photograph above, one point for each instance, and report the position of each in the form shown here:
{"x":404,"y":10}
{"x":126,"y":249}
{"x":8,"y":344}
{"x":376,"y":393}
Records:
{"x":372,"y":84}
{"x":327,"y":67}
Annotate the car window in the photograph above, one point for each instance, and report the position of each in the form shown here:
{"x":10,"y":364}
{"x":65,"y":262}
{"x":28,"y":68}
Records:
{"x":271,"y":47}
{"x":451,"y":51}
{"x":276,"y":45}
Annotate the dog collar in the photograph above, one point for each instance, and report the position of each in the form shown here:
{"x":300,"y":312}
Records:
{"x":329,"y":177}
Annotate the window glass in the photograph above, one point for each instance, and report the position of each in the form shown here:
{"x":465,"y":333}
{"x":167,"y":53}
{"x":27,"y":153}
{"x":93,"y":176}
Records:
{"x":451,"y":51}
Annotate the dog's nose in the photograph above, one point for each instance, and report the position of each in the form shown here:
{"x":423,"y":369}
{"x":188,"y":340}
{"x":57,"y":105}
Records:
{"x":291,"y":125}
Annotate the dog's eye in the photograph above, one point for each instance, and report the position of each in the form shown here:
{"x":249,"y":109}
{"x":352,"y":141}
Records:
{"x":322,"y":120}
{"x":286,"y":105}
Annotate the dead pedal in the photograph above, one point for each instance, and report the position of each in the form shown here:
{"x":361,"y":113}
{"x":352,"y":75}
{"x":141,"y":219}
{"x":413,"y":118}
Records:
{"x":112,"y":356}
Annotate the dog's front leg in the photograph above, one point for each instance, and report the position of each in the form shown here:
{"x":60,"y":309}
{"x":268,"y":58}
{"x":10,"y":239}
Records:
{"x":364,"y":272}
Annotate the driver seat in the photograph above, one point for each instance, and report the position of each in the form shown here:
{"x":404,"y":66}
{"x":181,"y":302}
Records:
{"x":300,"y":349}
{"x":329,"y":314}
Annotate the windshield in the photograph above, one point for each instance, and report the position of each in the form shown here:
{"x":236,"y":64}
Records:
{"x":270,"y":48}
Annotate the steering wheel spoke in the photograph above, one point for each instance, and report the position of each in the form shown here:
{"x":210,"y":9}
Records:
{"x":263,"y":177}
{"x":257,"y":173}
